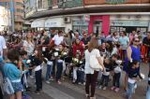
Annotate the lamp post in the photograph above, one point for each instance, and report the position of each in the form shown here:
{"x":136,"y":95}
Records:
{"x":12,"y":15}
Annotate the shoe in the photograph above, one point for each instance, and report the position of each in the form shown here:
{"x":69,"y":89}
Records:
{"x":47,"y":82}
{"x":113,"y":88}
{"x":87,"y":95}
{"x":100,"y":87}
{"x":117,"y":90}
{"x":31,"y":77}
{"x":92,"y":97}
{"x":59,"y":82}
{"x":37,"y":92}
{"x":104,"y":88}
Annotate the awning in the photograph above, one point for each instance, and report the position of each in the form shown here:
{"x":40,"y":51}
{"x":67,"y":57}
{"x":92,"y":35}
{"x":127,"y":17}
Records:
{"x":54,"y":22}
{"x":39,"y":23}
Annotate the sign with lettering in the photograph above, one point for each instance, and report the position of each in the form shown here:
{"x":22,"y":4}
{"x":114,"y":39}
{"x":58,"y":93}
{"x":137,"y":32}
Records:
{"x":129,"y":23}
{"x":115,"y":1}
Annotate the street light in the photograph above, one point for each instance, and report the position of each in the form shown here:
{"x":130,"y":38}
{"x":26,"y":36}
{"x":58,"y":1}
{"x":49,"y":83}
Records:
{"x":12,"y":14}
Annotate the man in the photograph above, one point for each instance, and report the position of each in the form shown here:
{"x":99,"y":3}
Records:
{"x":2,"y":55}
{"x":146,"y":44}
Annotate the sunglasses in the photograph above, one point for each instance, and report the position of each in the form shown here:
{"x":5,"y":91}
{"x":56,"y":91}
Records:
{"x":137,"y":41}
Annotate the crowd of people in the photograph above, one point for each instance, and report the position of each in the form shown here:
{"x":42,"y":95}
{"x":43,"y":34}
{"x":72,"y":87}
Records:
{"x":67,"y":54}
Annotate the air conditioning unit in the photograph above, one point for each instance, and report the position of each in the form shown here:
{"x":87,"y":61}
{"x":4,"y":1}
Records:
{"x":67,"y":19}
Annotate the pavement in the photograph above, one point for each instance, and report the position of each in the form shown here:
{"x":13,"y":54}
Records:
{"x":67,"y":90}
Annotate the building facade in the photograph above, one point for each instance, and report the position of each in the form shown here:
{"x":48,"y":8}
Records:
{"x":91,"y":15}
{"x":5,"y":19}
{"x":18,"y":10}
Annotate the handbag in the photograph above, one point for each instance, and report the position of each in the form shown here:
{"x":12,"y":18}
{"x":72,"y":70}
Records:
{"x":7,"y":86}
{"x":94,"y":64}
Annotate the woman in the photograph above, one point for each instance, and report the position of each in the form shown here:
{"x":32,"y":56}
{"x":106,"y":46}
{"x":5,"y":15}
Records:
{"x":91,"y":75}
{"x":133,"y":54}
{"x":13,"y":73}
{"x":29,"y":46}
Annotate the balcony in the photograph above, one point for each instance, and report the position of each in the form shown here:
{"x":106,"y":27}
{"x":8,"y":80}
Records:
{"x":70,"y":4}
{"x":103,"y":2}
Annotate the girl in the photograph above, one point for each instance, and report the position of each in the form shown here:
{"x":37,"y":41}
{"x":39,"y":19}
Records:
{"x":37,"y":63}
{"x":106,"y":74}
{"x":133,"y":74}
{"x":13,"y":73}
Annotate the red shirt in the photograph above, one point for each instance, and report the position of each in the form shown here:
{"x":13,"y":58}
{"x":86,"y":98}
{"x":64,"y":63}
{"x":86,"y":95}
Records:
{"x":79,"y":47}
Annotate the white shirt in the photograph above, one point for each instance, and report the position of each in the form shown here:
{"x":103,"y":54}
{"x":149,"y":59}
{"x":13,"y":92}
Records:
{"x":58,"y":39}
{"x":88,"y":69}
{"x":2,"y":45}
{"x":29,"y":47}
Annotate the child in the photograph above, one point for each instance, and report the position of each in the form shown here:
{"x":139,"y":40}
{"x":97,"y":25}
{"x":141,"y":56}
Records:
{"x":105,"y":74}
{"x":116,"y":76}
{"x":25,"y":67}
{"x":133,"y":72}
{"x":37,"y":63}
{"x":49,"y":61}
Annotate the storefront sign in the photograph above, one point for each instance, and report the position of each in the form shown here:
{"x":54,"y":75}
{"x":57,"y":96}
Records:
{"x":55,"y":22}
{"x":39,"y":23}
{"x":80,"y":23}
{"x":129,"y":23}
{"x":115,"y":1}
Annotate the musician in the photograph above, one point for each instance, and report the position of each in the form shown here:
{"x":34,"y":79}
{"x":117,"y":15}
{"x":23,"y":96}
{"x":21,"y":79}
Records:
{"x":146,"y":44}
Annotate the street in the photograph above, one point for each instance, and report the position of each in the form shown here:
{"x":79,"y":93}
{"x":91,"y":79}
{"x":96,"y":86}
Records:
{"x":67,"y":90}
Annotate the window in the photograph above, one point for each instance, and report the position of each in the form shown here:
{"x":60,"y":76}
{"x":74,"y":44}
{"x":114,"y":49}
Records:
{"x":19,"y":10}
{"x":19,"y":3}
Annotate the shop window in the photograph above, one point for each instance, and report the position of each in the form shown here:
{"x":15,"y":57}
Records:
{"x":97,"y":27}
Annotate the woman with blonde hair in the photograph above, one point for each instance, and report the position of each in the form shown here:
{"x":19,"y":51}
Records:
{"x":91,"y":74}
{"x":29,"y":46}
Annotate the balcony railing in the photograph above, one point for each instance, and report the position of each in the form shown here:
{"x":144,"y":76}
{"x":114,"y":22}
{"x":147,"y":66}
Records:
{"x":100,"y":2}
{"x":70,"y":4}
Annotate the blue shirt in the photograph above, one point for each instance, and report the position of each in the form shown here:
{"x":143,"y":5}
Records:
{"x":11,"y":71}
{"x":124,"y":40}
{"x":136,"y":54}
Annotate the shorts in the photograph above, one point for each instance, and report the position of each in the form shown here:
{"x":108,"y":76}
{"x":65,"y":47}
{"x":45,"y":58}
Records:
{"x":17,"y":86}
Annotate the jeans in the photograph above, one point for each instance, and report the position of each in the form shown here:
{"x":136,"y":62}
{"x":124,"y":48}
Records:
{"x":104,"y":80}
{"x":49,"y":71}
{"x":91,"y":81}
{"x":59,"y":70}
{"x":53,"y":68}
{"x":75,"y":73}
{"x":148,"y":93}
{"x":116,"y":80}
{"x":38,"y":78}
{"x":130,"y":90}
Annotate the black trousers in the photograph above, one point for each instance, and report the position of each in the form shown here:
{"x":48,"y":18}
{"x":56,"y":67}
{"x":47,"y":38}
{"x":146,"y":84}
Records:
{"x":1,"y":94}
{"x":38,"y":78}
{"x":116,"y":80}
{"x":91,"y":82}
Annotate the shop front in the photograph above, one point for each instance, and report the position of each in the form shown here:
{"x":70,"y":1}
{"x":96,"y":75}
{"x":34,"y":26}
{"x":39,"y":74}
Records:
{"x":99,"y":23}
{"x":38,"y":24}
{"x":80,"y":24}
{"x":129,"y":26}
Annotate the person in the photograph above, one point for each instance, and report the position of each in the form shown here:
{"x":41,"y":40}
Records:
{"x":116,"y":63}
{"x":3,"y":47}
{"x":13,"y":73}
{"x":133,"y":74}
{"x":106,"y":74}
{"x":145,"y":50}
{"x":37,"y":65}
{"x":28,"y":46}
{"x":148,"y":87}
{"x":123,"y":41}
{"x":133,"y":54}
{"x":91,"y":74}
